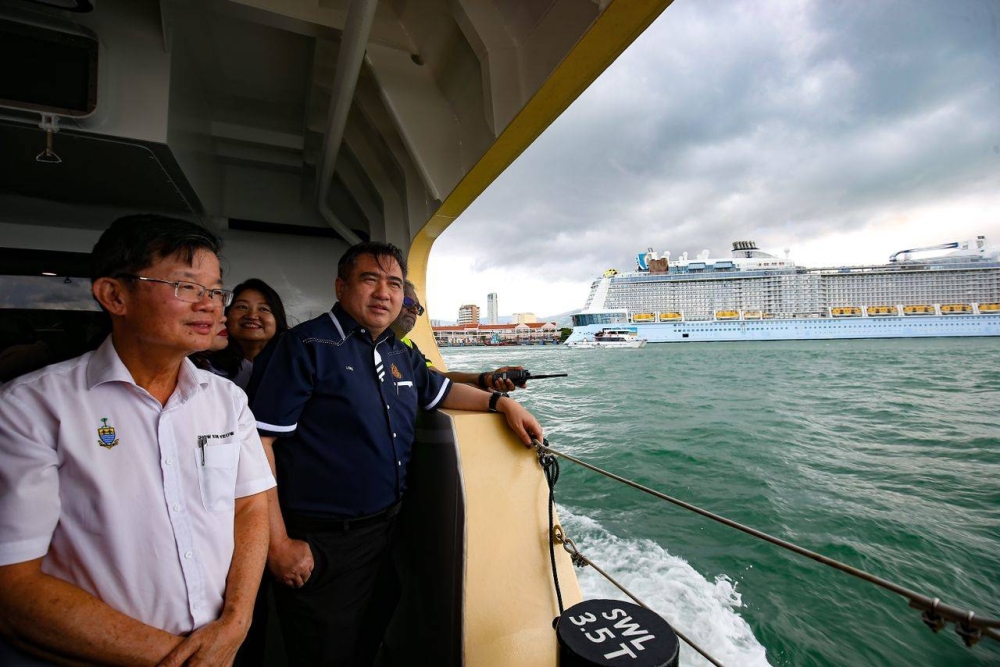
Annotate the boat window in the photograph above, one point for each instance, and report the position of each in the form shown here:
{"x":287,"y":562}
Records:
{"x":46,"y":319}
{"x":46,"y":293}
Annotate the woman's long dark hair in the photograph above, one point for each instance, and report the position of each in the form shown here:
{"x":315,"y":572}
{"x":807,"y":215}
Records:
{"x":228,"y":360}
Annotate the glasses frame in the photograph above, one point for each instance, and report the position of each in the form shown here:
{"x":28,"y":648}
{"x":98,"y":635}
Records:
{"x":413,"y":305}
{"x":223,"y":296}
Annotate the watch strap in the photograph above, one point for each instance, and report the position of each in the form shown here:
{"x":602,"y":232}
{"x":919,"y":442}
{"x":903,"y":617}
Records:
{"x":497,"y":395}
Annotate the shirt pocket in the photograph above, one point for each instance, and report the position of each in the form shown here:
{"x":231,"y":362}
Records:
{"x":217,"y":475}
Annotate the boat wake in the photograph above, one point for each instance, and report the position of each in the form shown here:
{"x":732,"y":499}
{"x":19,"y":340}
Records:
{"x":705,"y":611}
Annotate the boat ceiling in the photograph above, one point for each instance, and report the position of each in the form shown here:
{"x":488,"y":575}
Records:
{"x":219,"y":109}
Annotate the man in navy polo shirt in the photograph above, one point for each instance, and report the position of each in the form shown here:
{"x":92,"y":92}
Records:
{"x":342,"y":394}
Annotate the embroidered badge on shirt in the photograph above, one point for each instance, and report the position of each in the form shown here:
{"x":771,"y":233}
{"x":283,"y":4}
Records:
{"x":395,"y":372}
{"x":107,"y":435}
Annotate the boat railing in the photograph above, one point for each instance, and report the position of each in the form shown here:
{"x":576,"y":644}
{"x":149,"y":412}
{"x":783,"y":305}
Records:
{"x":934,"y":613}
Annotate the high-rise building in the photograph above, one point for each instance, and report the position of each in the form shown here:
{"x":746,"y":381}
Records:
{"x":524,"y":318}
{"x":468,"y":314}
{"x":491,"y":307}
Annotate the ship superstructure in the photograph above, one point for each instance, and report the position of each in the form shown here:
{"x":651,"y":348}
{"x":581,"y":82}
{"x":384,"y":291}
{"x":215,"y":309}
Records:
{"x":756,"y":295}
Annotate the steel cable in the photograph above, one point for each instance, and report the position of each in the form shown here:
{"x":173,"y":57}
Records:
{"x":968,"y":625}
{"x":550,"y":466}
{"x":581,"y":560}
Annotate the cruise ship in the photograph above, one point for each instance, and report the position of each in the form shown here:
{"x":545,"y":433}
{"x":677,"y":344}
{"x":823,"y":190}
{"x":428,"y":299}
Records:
{"x":951,"y":289}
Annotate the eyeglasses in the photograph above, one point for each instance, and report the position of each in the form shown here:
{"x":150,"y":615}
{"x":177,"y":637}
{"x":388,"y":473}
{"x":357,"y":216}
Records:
{"x":190,"y":292}
{"x":413,"y":304}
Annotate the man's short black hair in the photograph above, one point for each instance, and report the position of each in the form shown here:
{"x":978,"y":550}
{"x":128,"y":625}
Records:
{"x":380,"y":251}
{"x":135,"y":242}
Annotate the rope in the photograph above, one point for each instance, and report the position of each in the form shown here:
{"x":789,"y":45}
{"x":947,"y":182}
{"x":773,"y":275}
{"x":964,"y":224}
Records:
{"x":969,"y":627}
{"x":550,"y":465}
{"x":580,"y":560}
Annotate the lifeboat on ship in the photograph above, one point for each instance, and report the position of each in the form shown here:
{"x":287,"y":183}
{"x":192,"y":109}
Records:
{"x":670,"y":317}
{"x":957,"y":308}
{"x":918,"y":310}
{"x":644,"y":317}
{"x":752,"y":315}
{"x":881,"y":311}
{"x":727,"y":315}
{"x":989,"y":308}
{"x":846,"y":311}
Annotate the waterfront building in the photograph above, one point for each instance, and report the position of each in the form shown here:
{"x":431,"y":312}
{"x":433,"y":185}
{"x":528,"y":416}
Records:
{"x":523,"y":333}
{"x":524,"y":318}
{"x":491,"y":308}
{"x":468,"y":314}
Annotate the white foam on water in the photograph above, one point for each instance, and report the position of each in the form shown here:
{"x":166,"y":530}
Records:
{"x":705,"y":611}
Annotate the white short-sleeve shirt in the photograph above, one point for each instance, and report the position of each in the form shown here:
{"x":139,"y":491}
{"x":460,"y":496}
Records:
{"x":128,"y":499}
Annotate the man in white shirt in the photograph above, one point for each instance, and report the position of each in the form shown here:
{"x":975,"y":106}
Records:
{"x":133,"y":519}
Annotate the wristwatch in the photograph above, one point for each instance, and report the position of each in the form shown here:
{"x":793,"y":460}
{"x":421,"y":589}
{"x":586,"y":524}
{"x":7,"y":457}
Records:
{"x":497,"y":395}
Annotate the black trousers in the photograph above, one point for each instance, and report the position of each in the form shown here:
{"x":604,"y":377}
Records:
{"x":338,"y":618}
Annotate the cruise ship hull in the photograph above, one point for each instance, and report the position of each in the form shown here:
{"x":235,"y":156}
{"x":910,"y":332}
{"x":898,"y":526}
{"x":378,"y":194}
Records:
{"x":818,"y":328}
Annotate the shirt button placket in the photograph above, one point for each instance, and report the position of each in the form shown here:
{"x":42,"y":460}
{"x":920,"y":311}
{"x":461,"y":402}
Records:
{"x":179,"y":522}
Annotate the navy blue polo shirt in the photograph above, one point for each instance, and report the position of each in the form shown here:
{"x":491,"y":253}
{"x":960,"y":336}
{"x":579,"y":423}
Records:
{"x":345,"y":408}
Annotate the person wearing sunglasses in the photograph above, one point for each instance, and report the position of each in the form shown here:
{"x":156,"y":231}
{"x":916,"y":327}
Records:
{"x":412,"y":309}
{"x":133,"y":518}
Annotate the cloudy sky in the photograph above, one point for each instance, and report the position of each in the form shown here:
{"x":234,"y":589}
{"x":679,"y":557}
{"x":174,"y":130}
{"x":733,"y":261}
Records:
{"x":843,"y":131}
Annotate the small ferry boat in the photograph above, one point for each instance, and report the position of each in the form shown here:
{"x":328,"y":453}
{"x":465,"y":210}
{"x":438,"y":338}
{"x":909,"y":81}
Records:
{"x":617,"y":337}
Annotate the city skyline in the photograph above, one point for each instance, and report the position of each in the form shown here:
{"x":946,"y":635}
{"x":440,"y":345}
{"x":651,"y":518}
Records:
{"x":465,"y":314}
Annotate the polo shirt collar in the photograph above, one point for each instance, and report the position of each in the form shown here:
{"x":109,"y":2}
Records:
{"x":106,"y":366}
{"x":347,"y":325}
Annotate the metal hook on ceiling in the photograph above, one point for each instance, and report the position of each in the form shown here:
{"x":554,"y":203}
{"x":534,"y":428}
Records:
{"x":49,"y":123}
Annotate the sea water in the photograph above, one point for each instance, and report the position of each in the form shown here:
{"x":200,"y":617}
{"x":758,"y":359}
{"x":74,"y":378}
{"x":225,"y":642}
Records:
{"x":881,"y":454}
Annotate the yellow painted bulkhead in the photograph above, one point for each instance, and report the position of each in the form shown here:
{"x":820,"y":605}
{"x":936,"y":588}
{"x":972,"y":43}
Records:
{"x":508,"y":570}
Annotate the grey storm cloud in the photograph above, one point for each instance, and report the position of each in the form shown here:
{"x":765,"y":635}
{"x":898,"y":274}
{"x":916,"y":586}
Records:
{"x":731,"y":120}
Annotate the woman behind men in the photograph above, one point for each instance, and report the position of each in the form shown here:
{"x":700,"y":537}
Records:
{"x":255,"y":316}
